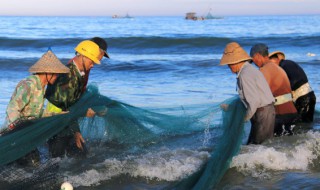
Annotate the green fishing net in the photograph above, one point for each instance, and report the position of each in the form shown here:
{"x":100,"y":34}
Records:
{"x":228,"y":146}
{"x":120,"y":123}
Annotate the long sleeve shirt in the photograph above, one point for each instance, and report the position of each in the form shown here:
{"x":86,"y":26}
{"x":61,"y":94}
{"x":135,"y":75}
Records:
{"x":67,"y":89}
{"x":253,"y":89}
{"x":27,"y":100}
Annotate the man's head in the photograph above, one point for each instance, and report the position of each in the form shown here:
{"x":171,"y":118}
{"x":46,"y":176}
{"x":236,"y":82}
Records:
{"x":259,"y":54}
{"x":102,"y":45}
{"x":233,"y":56}
{"x":89,"y":53}
{"x":50,"y":66}
{"x":277,"y":56}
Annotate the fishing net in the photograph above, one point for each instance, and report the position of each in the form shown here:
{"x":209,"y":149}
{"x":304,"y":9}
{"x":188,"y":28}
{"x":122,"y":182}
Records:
{"x":44,"y":176}
{"x":120,"y":123}
{"x":228,"y":146}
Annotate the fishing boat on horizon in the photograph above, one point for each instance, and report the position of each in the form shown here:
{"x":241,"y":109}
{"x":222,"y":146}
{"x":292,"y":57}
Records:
{"x":117,"y":16}
{"x":192,"y":16}
{"x":209,"y":16}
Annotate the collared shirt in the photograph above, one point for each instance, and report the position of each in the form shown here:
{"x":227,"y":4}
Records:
{"x":253,"y":89}
{"x":279,"y":85}
{"x":27,"y":100}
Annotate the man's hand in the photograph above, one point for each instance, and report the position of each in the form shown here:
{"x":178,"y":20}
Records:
{"x":11,"y":126}
{"x":90,"y":113}
{"x":224,"y":107}
{"x":79,"y":140}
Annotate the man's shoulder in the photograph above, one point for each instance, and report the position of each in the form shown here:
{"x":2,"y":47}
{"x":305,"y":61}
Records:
{"x":287,"y":62}
{"x":271,"y":67}
{"x":249,"y":69}
{"x":29,"y":82}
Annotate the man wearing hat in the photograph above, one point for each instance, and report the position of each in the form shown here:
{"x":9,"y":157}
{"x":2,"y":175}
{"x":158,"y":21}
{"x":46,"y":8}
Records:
{"x":28,"y":98}
{"x":286,"y":113}
{"x":254,"y":92}
{"x":103,"y":50}
{"x":303,"y":95}
{"x":67,"y":91}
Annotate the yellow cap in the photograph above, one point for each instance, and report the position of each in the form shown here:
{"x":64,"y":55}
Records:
{"x":89,"y":49}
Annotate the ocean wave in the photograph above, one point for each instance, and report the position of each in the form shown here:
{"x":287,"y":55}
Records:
{"x":161,"y":44}
{"x":20,"y":64}
{"x":33,"y":43}
{"x":153,"y":65}
{"x":298,"y":152}
{"x":164,"y":165}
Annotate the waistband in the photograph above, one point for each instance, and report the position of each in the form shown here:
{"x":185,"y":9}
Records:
{"x":301,"y":91}
{"x":283,"y":99}
{"x":262,"y":108}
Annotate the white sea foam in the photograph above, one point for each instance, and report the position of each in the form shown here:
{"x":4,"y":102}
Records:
{"x":101,"y":172}
{"x":168,"y":165}
{"x":311,"y":54}
{"x":300,"y":154}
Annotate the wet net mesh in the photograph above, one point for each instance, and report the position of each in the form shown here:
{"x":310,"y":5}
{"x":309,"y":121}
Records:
{"x":43,"y":176}
{"x":120,"y":123}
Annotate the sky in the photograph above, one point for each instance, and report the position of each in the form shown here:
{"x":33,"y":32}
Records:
{"x":157,"y":7}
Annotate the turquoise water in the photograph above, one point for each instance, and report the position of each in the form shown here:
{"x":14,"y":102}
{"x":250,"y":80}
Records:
{"x":161,"y":62}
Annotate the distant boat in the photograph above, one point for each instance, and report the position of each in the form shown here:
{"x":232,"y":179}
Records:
{"x":210,"y":16}
{"x":128,"y":16}
{"x":117,"y":16}
{"x":192,"y":16}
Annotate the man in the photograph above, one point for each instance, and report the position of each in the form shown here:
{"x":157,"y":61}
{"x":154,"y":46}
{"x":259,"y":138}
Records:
{"x":303,"y":95}
{"x":65,"y":92}
{"x":254,"y":92}
{"x":286,"y":113}
{"x":103,"y":49}
{"x":27,"y":100}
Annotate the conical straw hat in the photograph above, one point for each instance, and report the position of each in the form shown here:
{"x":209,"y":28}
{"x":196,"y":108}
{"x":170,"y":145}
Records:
{"x":234,"y":53}
{"x":48,"y":63}
{"x":280,"y":55}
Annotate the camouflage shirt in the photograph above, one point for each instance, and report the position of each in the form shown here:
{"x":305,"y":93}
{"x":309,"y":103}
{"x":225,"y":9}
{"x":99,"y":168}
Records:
{"x":26,"y":101}
{"x":67,"y":89}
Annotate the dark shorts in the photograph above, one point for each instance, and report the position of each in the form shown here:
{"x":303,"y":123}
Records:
{"x":262,"y":124}
{"x":305,"y":106}
{"x":285,"y":123}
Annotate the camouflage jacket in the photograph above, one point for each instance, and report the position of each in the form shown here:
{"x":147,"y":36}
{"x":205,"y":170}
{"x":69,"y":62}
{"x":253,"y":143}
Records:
{"x":67,"y":89}
{"x":26,"y":101}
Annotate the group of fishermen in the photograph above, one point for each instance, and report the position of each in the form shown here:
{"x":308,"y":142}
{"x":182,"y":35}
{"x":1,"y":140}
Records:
{"x":62,"y":85}
{"x":276,"y":97}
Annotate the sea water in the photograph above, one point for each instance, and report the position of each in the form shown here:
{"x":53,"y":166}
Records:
{"x":161,"y":62}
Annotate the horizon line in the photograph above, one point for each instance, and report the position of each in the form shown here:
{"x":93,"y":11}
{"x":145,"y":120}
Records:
{"x":232,"y":15}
